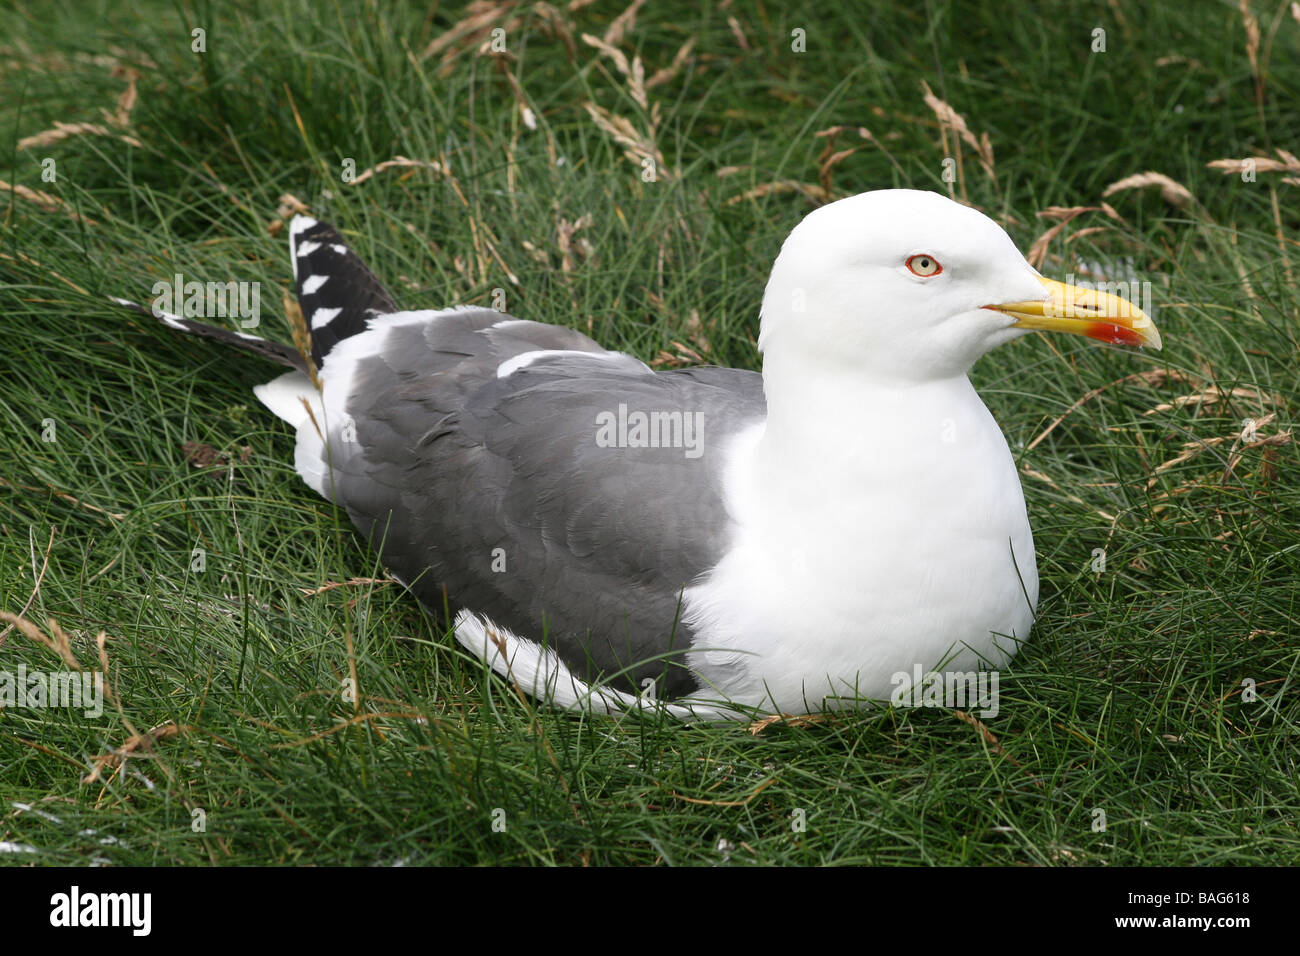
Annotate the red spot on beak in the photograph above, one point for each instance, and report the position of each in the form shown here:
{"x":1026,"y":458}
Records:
{"x":1113,"y":334}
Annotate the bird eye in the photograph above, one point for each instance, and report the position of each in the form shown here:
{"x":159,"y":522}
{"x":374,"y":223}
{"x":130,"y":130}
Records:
{"x":924,"y":266}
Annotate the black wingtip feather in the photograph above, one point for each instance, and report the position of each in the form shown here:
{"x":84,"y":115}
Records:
{"x":337,"y":292}
{"x":275,"y":351}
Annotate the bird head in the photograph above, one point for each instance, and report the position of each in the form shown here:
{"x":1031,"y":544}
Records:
{"x":905,"y":284}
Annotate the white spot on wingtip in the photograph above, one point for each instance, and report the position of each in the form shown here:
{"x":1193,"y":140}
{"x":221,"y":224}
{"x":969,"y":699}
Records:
{"x":306,"y":248}
{"x":312,"y":283}
{"x":323,"y":317}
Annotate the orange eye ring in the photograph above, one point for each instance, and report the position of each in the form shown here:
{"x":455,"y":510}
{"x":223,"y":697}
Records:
{"x":924,"y":265}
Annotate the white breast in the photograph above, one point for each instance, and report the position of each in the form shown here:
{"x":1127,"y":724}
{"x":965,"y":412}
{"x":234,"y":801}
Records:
{"x":911,"y":546}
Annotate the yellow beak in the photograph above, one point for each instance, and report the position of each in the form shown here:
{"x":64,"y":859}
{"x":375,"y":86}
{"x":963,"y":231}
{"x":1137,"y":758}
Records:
{"x":1091,"y":312}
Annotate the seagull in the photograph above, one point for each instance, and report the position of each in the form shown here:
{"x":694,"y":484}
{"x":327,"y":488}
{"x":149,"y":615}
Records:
{"x":716,"y":542}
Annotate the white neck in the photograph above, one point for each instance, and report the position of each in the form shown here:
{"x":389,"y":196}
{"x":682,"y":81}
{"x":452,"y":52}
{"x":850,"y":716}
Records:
{"x":832,"y":428}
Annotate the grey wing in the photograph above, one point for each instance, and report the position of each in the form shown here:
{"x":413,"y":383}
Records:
{"x":532,"y":498}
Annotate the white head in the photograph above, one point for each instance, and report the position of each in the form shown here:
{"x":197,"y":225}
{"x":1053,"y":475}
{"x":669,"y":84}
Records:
{"x":904,"y":285}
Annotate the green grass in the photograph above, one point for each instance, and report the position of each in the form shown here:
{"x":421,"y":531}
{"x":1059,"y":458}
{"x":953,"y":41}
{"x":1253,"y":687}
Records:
{"x":1129,"y":697}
